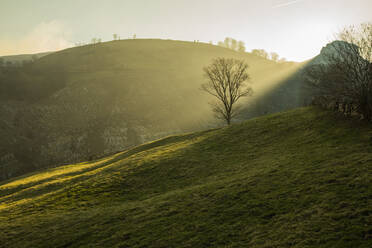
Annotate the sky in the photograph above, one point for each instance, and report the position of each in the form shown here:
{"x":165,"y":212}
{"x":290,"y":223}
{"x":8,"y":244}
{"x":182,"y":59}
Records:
{"x":295,"y":29}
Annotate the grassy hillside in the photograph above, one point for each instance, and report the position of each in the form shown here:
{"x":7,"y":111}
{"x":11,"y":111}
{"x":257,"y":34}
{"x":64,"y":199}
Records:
{"x":88,"y":101}
{"x":18,"y":59}
{"x":130,"y":68}
{"x":295,"y":179}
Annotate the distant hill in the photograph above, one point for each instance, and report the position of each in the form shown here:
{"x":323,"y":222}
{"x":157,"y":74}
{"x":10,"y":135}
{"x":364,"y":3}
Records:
{"x":295,"y":179}
{"x":23,"y":57}
{"x":85,"y":102}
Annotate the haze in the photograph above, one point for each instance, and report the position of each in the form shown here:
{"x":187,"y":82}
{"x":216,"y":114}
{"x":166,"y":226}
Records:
{"x":296,"y":30}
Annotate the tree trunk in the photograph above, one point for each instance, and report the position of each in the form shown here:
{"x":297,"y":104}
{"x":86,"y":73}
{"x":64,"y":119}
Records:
{"x":228,"y":120}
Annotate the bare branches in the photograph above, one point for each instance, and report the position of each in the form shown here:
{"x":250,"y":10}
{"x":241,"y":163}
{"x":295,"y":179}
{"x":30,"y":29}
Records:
{"x":345,"y":76}
{"x":226,"y":80}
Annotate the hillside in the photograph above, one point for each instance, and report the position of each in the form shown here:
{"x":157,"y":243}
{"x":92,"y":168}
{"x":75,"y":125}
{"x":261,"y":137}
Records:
{"x":89,"y":101}
{"x":18,"y":59}
{"x":294,"y":179}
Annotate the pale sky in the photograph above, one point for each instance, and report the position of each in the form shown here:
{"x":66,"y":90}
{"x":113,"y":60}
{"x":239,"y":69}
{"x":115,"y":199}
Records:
{"x":296,"y":29}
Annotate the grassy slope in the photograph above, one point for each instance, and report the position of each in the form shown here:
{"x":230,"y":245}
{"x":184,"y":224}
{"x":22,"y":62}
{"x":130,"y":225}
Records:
{"x":296,"y":179}
{"x":151,"y":87}
{"x":142,"y":73}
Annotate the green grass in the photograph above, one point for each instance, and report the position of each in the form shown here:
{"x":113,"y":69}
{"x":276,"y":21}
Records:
{"x":295,"y":179}
{"x":70,"y":105}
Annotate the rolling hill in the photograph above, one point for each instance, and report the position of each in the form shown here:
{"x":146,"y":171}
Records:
{"x":19,"y":59}
{"x":85,"y":102}
{"x":294,"y":179}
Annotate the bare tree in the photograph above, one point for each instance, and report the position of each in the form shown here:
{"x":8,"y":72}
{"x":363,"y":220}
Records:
{"x":261,"y":53}
{"x":274,"y":56}
{"x":344,"y":78}
{"x":227,"y":42}
{"x":241,"y":47}
{"x":234,"y":44}
{"x":226,"y":81}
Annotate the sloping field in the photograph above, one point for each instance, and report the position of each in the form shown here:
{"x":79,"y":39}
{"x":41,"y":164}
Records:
{"x":295,"y":179}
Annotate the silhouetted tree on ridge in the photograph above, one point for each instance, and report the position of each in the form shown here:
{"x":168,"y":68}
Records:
{"x":274,"y":56}
{"x":232,"y":44}
{"x":261,"y":53}
{"x":241,"y":47}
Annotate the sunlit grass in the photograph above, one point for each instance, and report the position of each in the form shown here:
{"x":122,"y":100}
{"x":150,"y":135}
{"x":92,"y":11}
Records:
{"x":54,"y":180}
{"x":51,"y":173}
{"x":297,"y":179}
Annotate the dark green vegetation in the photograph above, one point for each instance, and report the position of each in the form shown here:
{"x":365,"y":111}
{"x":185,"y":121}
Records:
{"x":19,"y":60}
{"x":296,"y":179}
{"x":85,"y":102}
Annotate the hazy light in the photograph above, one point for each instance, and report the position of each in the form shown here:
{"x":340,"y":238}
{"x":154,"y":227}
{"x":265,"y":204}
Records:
{"x":286,"y":4}
{"x":295,"y":29}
